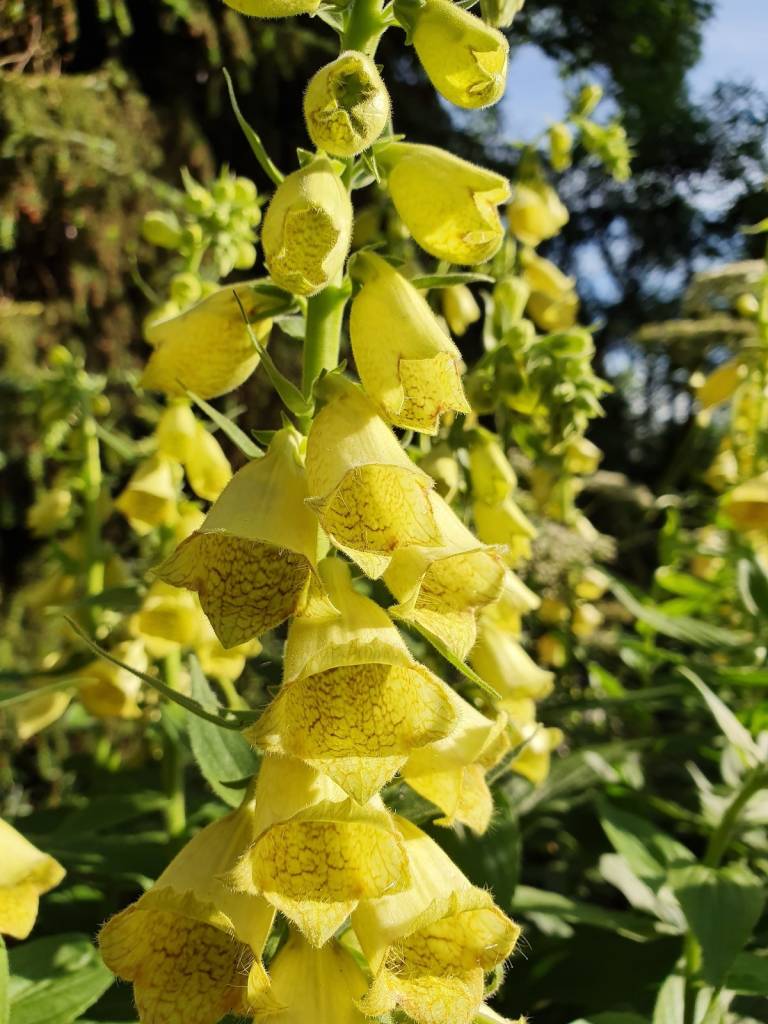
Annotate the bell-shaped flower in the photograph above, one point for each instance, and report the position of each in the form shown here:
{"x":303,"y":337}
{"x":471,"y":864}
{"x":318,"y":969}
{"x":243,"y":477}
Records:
{"x":207,"y":467}
{"x":175,"y":430}
{"x":535,"y":212}
{"x":442,"y":465}
{"x":354,"y":704}
{"x":553,"y":302}
{"x":550,"y":650}
{"x":538,"y":742}
{"x":721,"y":383}
{"x":150,"y":496}
{"x":37,"y":713}
{"x":591,"y":583}
{"x":167,"y":619}
{"x":273,"y":8}
{"x":27,"y":874}
{"x":307,"y":229}
{"x":586,"y":620}
{"x":505,"y":523}
{"x":442,"y":588}
{"x":430,"y":945}
{"x":464,"y":58}
{"x":370,"y":498}
{"x":449,"y":205}
{"x":191,"y":945}
{"x":207,"y":348}
{"x":460,"y":308}
{"x":407,"y":363}
{"x":493,"y":479}
{"x":581,"y":456}
{"x":111,"y":691}
{"x":346,"y":105}
{"x":318,"y":985}
{"x":251,"y":560}
{"x":217,"y":662}
{"x":317,"y":853}
{"x":500,"y":659}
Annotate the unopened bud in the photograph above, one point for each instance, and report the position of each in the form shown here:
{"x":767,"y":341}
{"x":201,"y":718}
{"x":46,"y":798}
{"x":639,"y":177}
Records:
{"x":161,"y":229}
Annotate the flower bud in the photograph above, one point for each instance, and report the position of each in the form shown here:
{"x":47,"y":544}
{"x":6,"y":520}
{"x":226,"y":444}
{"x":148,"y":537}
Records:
{"x":346,"y":106}
{"x":493,"y":479}
{"x":720,"y":385}
{"x":560,"y":146}
{"x":465,"y":59}
{"x":161,"y":229}
{"x":273,"y":8}
{"x":307,"y":229}
{"x":535,"y":212}
{"x":449,"y":205}
{"x":460,"y":308}
{"x":585,"y":621}
{"x":407,"y":363}
{"x":588,"y":99}
{"x":747,"y":305}
{"x":581,"y":456}
{"x":551,"y":650}
{"x":500,"y":13}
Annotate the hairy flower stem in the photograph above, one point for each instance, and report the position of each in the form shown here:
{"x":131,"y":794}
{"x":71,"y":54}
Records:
{"x":325,"y":313}
{"x":173,"y":754}
{"x":365,"y":27}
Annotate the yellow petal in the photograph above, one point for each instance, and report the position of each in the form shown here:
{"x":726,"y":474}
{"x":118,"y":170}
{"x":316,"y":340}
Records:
{"x":307,"y":229}
{"x":465,"y":59}
{"x":168,"y":619}
{"x":38,"y":713}
{"x":346,"y":105}
{"x":493,"y":479}
{"x":407,"y":363}
{"x":370,"y":498}
{"x":747,"y":505}
{"x":449,"y":205}
{"x":207,"y":348}
{"x":189,"y":942}
{"x":111,"y":691}
{"x":721,"y":384}
{"x":207,"y":467}
{"x":175,"y":432}
{"x":533,"y":760}
{"x":442,"y":588}
{"x":250,"y":562}
{"x":502,"y":662}
{"x":535,"y":212}
{"x":149,"y":500}
{"x":460,"y":308}
{"x":27,"y":874}
{"x":451,"y":772}
{"x":317,"y":985}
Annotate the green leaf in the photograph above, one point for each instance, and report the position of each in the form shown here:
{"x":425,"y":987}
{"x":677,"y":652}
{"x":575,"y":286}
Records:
{"x":682,"y":583}
{"x":105,"y":813}
{"x":722,"y":906}
{"x":729,"y":724}
{"x":426,"y":281}
{"x":636,"y":927}
{"x":5,"y":1008}
{"x":670,"y":1002}
{"x":55,"y":979}
{"x":749,"y":974}
{"x":612,"y":1018}
{"x":222,"y":756}
{"x":678,"y":627}
{"x":661,"y":903}
{"x":237,"y":436}
{"x":753,"y":586}
{"x":649,"y":852}
{"x":257,"y":146}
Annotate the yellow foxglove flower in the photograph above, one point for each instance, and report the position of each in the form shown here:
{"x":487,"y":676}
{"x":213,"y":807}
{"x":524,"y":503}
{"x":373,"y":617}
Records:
{"x":370,"y":498}
{"x":586,"y":620}
{"x":460,"y":308}
{"x":505,"y":523}
{"x":533,"y":760}
{"x":27,"y":874}
{"x":550,"y":650}
{"x":317,"y":853}
{"x":216,"y":661}
{"x":493,"y":479}
{"x":190,"y":518}
{"x":168,"y":618}
{"x":553,"y":314}
{"x":111,"y":691}
{"x":175,"y":431}
{"x":581,"y":457}
{"x":430,"y":945}
{"x":442,"y":588}
{"x":307,"y":229}
{"x":274,"y":8}
{"x":451,"y":772}
{"x":191,"y":945}
{"x":251,"y":560}
{"x":553,"y":302}
{"x":207,"y":348}
{"x":443,"y":466}
{"x":207,"y":467}
{"x":591,"y":584}
{"x":720,"y":385}
{"x":449,"y":205}
{"x":560,"y":146}
{"x":465,"y":59}
{"x":38,"y":713}
{"x":535,"y":212}
{"x":150,"y":497}
{"x":318,"y":985}
{"x":354,"y":703}
{"x":346,"y":105}
{"x":407,"y":363}
{"x":50,"y":511}
{"x":501,"y":661}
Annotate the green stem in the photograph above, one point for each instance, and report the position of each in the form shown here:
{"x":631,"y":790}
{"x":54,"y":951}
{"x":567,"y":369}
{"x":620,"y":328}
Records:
{"x":365,"y":26}
{"x":92,"y":483}
{"x":325,"y":313}
{"x":173,"y":755}
{"x":721,"y":838}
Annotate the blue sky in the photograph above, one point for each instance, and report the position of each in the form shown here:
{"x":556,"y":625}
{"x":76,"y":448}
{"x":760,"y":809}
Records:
{"x":735,"y":47}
